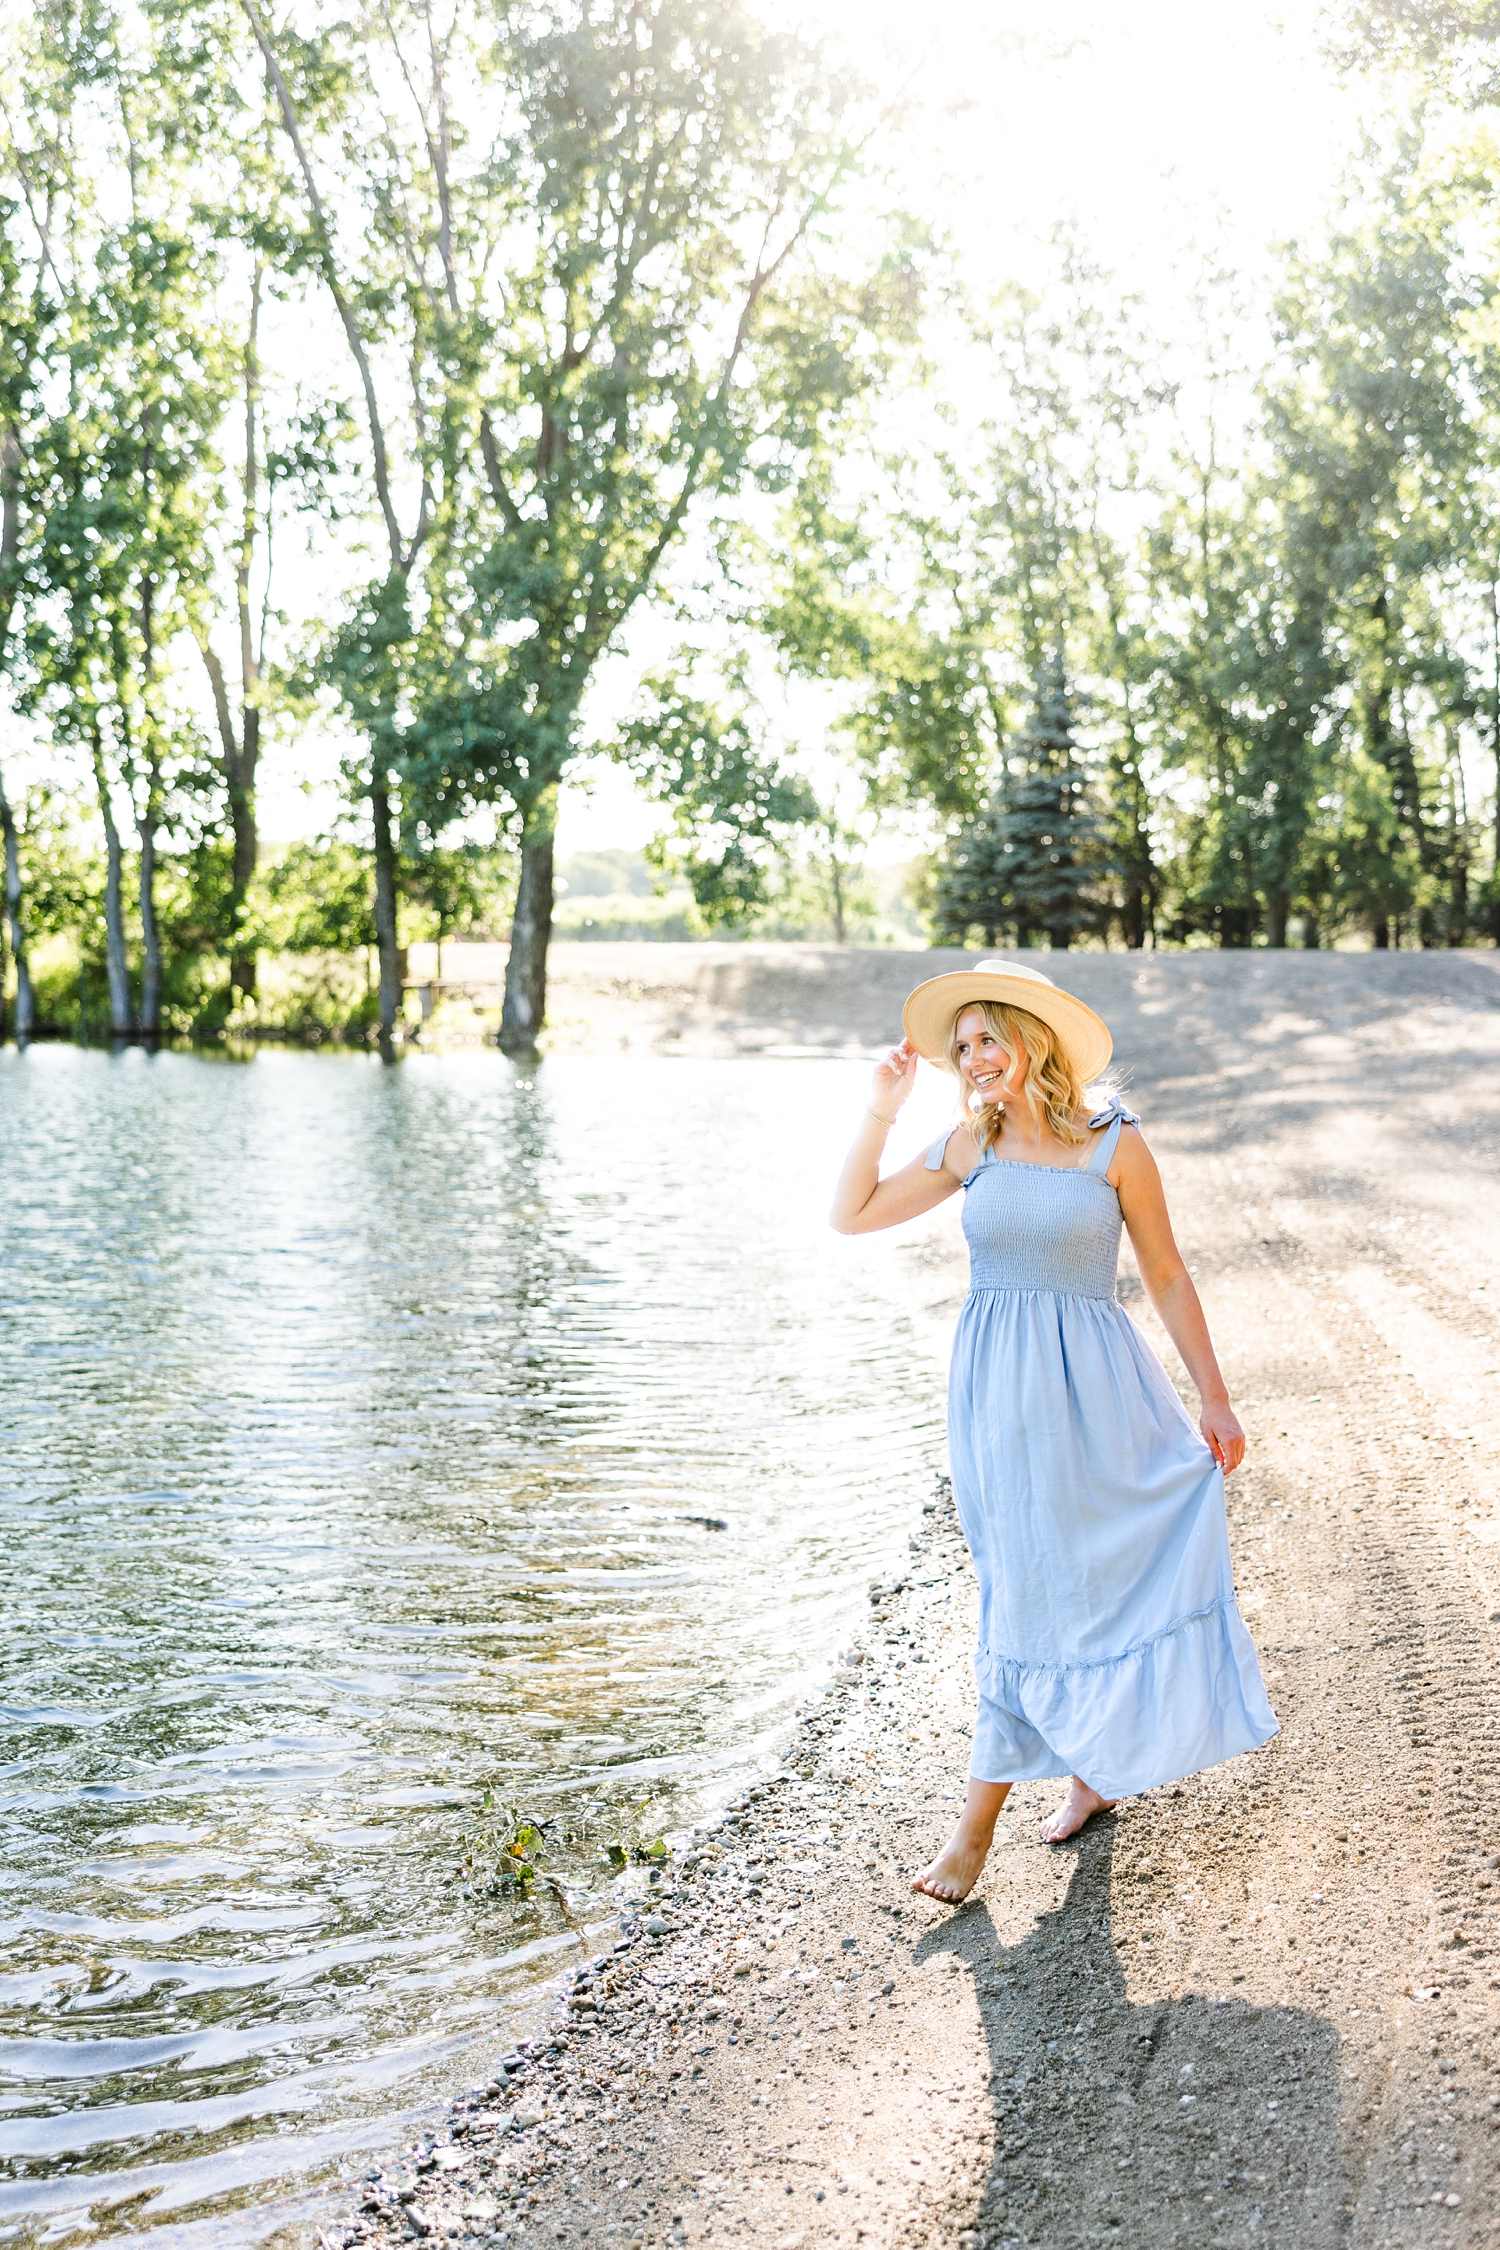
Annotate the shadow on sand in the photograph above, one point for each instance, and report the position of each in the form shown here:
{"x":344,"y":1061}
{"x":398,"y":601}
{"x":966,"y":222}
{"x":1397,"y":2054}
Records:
{"x":1196,"y":2122}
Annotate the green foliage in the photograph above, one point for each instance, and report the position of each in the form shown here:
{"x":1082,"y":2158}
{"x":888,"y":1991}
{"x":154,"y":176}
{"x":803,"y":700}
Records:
{"x":460,"y":888}
{"x":318,"y":899}
{"x":606,"y":278}
{"x":733,"y":808}
{"x":501,"y":1855}
{"x":590,"y":270}
{"x":1455,"y":40}
{"x":62,"y":869}
{"x":1029,"y":864}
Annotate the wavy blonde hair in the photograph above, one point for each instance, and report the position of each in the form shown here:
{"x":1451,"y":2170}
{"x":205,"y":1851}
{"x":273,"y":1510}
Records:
{"x":1051,"y":1088}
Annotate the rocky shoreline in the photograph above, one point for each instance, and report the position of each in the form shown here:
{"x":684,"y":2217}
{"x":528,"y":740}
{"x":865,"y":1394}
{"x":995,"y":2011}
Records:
{"x":780,"y":1927}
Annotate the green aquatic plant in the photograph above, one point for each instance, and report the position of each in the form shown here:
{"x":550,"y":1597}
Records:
{"x":501,"y":1855}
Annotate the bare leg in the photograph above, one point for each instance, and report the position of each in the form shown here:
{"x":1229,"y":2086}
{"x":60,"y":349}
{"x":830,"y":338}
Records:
{"x":1080,"y":1804}
{"x":955,"y":1871}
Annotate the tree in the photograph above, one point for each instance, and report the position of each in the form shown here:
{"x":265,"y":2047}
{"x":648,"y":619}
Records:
{"x":1242,"y":687}
{"x":971,"y":885}
{"x":1031,"y":862}
{"x":1375,"y":435}
{"x":120,"y":466}
{"x":24,"y":314}
{"x":955,"y":608}
{"x":121,"y":545}
{"x":1453,"y":40}
{"x":302,"y":464}
{"x":18,"y":331}
{"x":289,"y":450}
{"x":613,"y":307}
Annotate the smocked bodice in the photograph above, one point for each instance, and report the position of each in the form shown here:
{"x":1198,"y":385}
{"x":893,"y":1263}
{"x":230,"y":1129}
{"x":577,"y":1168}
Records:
{"x":1034,"y":1226}
{"x":1043,"y":1226}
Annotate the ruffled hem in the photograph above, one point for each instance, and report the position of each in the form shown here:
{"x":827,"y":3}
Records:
{"x":1188,"y":1697}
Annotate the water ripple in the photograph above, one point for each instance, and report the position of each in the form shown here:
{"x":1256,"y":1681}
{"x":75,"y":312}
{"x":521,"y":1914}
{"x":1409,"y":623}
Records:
{"x":352,"y":1423}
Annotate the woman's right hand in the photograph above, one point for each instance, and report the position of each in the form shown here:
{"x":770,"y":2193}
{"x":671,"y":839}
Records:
{"x":894,"y":1080}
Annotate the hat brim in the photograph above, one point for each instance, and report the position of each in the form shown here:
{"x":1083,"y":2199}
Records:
{"x":929,"y":1014}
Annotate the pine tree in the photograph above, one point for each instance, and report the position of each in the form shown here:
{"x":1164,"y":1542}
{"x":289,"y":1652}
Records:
{"x":1026,"y":864}
{"x":969,"y":891}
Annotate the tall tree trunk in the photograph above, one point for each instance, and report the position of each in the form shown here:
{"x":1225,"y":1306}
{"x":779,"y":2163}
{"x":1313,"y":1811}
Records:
{"x":385,"y":911}
{"x":10,"y":540}
{"x":146,"y":828}
{"x":1312,"y":935}
{"x":25,"y":1005}
{"x":239,"y":757}
{"x":1277,"y":907}
{"x":148,"y":816}
{"x":240,"y":770}
{"x":1380,"y":932}
{"x":1458,"y":895}
{"x":245,"y":850}
{"x":836,"y":885}
{"x":525,"y":1009}
{"x":1134,"y":916}
{"x":116,"y":969}
{"x":1494,"y":715}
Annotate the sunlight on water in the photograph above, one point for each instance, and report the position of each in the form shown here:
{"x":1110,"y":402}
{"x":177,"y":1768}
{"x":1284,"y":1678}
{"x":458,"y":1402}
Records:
{"x":350,"y":1424}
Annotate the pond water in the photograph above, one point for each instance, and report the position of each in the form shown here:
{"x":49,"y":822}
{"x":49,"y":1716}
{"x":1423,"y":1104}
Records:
{"x":352,"y":1425}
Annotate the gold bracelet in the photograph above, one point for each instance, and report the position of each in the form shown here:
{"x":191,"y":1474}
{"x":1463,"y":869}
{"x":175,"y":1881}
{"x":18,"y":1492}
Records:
{"x":887,"y":1122}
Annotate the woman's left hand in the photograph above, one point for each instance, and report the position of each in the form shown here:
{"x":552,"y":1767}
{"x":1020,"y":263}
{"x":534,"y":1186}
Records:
{"x":1224,"y":1437}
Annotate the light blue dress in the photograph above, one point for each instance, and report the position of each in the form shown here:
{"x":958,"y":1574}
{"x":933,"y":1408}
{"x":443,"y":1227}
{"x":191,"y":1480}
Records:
{"x":1110,"y":1641}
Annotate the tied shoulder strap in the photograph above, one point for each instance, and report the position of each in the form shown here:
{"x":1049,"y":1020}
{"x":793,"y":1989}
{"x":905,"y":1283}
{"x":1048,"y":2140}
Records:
{"x":935,"y":1155}
{"x":1107,"y":1122}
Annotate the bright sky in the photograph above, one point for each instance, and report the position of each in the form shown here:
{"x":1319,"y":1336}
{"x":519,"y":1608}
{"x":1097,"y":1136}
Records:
{"x":1164,"y":129}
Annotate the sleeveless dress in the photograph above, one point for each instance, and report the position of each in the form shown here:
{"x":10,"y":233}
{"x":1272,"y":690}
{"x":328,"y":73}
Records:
{"x":1110,"y":1641}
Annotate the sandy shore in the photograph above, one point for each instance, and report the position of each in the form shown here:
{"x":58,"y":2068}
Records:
{"x":1261,"y":2008}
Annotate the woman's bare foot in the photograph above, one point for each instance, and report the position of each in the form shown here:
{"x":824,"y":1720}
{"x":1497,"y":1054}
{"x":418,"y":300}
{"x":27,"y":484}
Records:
{"x":1080,"y":1805}
{"x":957,"y":1867}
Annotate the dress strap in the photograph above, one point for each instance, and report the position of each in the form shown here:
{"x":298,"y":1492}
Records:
{"x":1107,"y":1123}
{"x":938,"y":1151}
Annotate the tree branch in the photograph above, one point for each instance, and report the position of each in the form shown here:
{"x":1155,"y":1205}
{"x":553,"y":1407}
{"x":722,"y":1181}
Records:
{"x":760,"y":282}
{"x":220,"y":691}
{"x":293,"y":129}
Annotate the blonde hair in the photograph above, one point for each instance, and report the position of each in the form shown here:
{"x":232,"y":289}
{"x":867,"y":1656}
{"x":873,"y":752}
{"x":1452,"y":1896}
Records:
{"x":1051,"y":1088}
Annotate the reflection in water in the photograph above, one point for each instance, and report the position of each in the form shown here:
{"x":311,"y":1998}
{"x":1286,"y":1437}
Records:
{"x":351,"y":1418}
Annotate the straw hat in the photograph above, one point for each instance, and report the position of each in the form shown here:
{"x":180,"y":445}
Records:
{"x":929,"y":1014}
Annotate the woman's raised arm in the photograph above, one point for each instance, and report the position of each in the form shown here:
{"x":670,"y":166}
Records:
{"x":863,"y":1202}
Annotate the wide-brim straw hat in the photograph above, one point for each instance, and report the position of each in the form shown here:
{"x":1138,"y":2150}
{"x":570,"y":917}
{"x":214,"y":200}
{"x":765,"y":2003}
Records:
{"x":929,"y":1014}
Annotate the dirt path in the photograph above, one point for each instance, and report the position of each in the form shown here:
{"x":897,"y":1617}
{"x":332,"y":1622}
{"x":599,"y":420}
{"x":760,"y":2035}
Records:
{"x":1261,"y":2008}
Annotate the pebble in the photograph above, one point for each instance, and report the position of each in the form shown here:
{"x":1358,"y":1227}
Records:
{"x":589,"y":2064}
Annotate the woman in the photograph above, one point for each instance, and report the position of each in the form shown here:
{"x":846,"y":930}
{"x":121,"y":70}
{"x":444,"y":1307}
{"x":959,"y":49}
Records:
{"x":1111,"y":1649}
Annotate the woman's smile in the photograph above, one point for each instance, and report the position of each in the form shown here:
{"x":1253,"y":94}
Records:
{"x":981,"y":1058}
